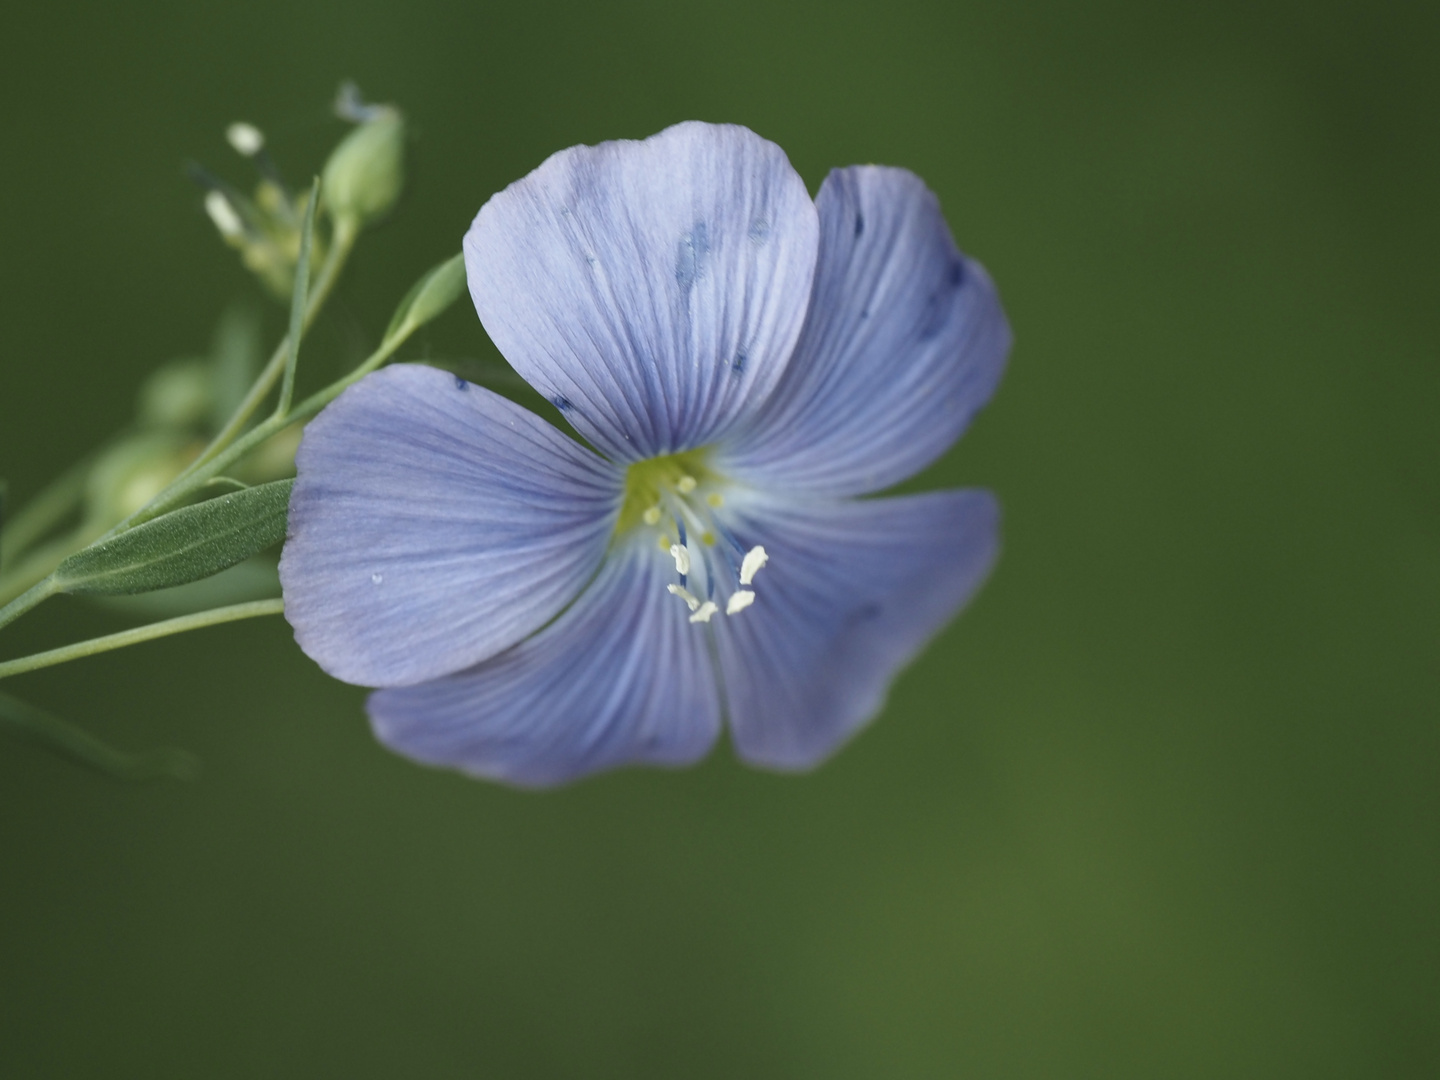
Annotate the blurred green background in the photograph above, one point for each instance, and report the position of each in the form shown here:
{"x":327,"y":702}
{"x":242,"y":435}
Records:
{"x":1163,"y":803}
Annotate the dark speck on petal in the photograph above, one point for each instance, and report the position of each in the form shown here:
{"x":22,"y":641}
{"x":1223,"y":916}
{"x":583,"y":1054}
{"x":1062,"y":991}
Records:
{"x":859,"y":224}
{"x":759,"y":231}
{"x":561,"y":402}
{"x":957,"y":272}
{"x":461,"y":384}
{"x":690,"y":255}
{"x":738,"y":364}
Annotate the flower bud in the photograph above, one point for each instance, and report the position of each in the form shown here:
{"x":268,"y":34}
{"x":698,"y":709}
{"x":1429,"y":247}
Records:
{"x":364,"y":175}
{"x":133,"y":471}
{"x":440,"y":287}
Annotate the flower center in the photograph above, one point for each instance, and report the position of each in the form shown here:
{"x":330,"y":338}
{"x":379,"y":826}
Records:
{"x":681,"y":500}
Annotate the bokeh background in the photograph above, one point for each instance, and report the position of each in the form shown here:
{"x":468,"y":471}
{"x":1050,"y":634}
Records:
{"x":1163,"y":803}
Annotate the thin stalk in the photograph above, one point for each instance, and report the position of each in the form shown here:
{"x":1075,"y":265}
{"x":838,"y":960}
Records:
{"x":342,"y":243}
{"x":198,"y":476}
{"x":298,"y":305}
{"x":139,"y":634}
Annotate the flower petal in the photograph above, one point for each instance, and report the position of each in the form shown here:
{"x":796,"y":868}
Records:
{"x":652,"y":290}
{"x":850,"y":593}
{"x":904,"y":342}
{"x":434,"y":524}
{"x":620,"y":678}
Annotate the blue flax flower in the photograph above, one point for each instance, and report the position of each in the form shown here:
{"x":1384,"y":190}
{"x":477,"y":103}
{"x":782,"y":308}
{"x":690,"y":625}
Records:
{"x":744,"y":361}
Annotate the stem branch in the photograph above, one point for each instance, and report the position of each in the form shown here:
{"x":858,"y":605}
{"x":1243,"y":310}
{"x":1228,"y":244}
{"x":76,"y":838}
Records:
{"x":139,"y":634}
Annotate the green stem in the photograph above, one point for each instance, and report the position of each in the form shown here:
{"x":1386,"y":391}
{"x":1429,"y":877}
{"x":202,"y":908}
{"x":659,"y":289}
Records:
{"x":139,"y":634}
{"x":343,"y":242}
{"x":197,"y":477}
{"x":32,"y":597}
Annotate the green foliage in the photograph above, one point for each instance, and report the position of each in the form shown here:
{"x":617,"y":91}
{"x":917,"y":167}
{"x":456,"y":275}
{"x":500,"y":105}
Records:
{"x":182,"y":546}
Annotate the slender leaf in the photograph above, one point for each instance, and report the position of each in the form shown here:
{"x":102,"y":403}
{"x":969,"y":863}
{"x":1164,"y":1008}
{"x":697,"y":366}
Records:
{"x":298,"y":302}
{"x":184,"y":545}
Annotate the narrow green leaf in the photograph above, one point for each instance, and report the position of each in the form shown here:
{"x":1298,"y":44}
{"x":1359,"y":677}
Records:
{"x":182,"y":546}
{"x":298,"y":301}
{"x":70,"y":741}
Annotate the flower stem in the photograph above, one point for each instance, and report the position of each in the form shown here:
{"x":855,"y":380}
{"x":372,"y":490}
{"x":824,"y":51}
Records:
{"x":197,"y":476}
{"x":139,"y":634}
{"x":343,"y":242}
{"x":346,"y":232}
{"x":27,"y":600}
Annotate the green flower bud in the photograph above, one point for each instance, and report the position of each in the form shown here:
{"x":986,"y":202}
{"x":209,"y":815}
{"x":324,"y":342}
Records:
{"x":364,"y":175}
{"x":440,"y":287}
{"x":178,"y":395}
{"x":133,"y":471}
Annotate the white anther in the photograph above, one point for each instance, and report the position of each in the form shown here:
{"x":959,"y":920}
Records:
{"x":652,"y":516}
{"x":224,"y":216}
{"x":686,"y":484}
{"x":755,"y":558}
{"x":739,"y":601}
{"x":247,"y":139}
{"x":685,"y":594}
{"x":681,"y":555}
{"x":707,"y":609}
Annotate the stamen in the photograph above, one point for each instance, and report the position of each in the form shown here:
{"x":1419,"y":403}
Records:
{"x":707,"y":609}
{"x":715,"y":499}
{"x":652,"y":516}
{"x":685,"y":594}
{"x":739,"y":601}
{"x":686,"y":484}
{"x":755,"y":558}
{"x":681,"y":555}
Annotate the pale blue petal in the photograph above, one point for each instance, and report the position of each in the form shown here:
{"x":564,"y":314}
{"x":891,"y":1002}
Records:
{"x":652,"y":290}
{"x":434,"y":524}
{"x":620,"y":678}
{"x":905,"y":340}
{"x":850,"y":594}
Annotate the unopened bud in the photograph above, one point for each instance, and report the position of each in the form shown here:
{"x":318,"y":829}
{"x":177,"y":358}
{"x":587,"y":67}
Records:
{"x":224,"y":216}
{"x":431,"y":295}
{"x":363,"y":178}
{"x":247,"y":139}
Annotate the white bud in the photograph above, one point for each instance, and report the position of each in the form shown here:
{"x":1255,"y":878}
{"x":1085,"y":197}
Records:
{"x":224,"y":216}
{"x":247,"y":139}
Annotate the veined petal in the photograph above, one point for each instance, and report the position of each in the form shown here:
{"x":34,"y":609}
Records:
{"x":905,"y":340}
{"x":434,"y":524}
{"x":851,"y":592}
{"x":652,"y":290}
{"x":620,"y":678}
